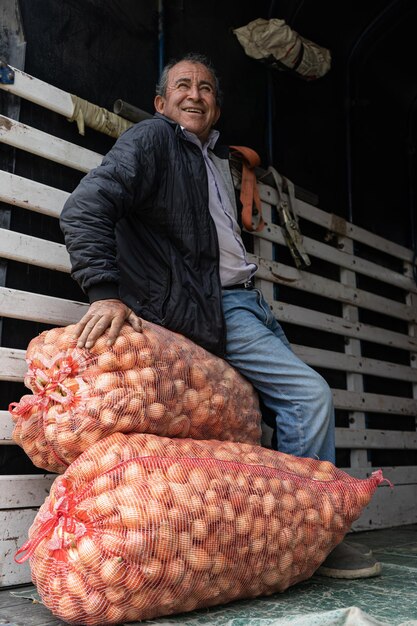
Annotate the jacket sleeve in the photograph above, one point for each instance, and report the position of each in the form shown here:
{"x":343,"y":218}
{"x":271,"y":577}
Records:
{"x":123,"y":181}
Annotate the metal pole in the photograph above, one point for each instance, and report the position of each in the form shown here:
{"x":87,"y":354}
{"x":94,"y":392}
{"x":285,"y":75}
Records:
{"x":161,"y":37}
{"x":130,"y":112}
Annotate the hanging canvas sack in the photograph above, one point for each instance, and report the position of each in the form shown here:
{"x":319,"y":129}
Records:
{"x":275,"y":43}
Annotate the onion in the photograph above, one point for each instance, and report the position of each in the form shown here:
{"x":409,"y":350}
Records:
{"x":77,"y":586}
{"x":108,"y":362}
{"x":69,"y":608}
{"x":105,"y":504}
{"x":107,"y":381}
{"x":114,"y":614}
{"x":132,"y":378}
{"x":326,"y":511}
{"x":243,"y":524}
{"x":200,"y":414}
{"x":174,"y":574}
{"x":112,"y":570}
{"x":218,"y":401}
{"x":269,"y":503}
{"x":206,"y":393}
{"x":155,"y":411}
{"x":179,"y":426}
{"x":198,"y":377}
{"x":199,"y":559}
{"x":177,"y":473}
{"x":199,"y":529}
{"x":94,"y":604}
{"x":88,"y":552}
{"x":152,"y":569}
{"x":190,"y":399}
{"x":165,"y":543}
{"x":145,"y":358}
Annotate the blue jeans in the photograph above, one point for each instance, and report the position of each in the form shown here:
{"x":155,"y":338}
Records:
{"x":298,"y":396}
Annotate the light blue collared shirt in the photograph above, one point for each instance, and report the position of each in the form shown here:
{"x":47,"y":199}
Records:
{"x":233,"y":265}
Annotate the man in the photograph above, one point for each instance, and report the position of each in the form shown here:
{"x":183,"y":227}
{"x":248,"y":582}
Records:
{"x":153,"y":233}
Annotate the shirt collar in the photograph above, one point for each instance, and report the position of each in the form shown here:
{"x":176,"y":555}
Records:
{"x":211,"y":140}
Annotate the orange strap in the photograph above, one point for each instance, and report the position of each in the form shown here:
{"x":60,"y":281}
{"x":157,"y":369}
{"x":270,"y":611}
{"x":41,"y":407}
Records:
{"x":249,"y":194}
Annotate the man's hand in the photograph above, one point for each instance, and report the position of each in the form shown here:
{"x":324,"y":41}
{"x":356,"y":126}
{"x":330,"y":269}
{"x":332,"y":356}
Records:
{"x":101,"y":315}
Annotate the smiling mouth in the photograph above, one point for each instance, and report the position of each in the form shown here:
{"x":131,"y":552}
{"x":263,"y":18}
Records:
{"x":192,"y":110}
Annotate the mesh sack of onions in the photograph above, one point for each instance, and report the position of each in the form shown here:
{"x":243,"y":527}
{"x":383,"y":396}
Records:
{"x":156,"y":382}
{"x":141,"y":526}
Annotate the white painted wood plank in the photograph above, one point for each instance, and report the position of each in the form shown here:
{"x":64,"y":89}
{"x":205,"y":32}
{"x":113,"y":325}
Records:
{"x":39,"y":308}
{"x":412,"y":330}
{"x":41,"y":93}
{"x":345,"y":294}
{"x":14,"y":525}
{"x":40,"y":252}
{"x":373,"y":402}
{"x":6,"y":428}
{"x":271,"y":270}
{"x":31,"y":195}
{"x":358,"y":364}
{"x":268,"y":194}
{"x":339,"y":225}
{"x":389,"y":508}
{"x":354,"y":380}
{"x":367,"y":438}
{"x":24,"y":491}
{"x":314,"y":248}
{"x":385,"y":510}
{"x":263,"y":253}
{"x":399,"y":475}
{"x":263,"y":250}
{"x":292,"y":314}
{"x":57,"y":100}
{"x":41,"y":144}
{"x":12,"y":364}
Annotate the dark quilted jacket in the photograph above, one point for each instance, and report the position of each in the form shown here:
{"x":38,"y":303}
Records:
{"x":138,"y":228}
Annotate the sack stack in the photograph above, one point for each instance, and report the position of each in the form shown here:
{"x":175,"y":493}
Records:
{"x":140,"y":525}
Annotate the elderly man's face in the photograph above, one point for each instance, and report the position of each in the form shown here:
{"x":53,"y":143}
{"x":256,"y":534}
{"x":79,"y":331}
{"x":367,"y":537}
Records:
{"x":190,"y":98}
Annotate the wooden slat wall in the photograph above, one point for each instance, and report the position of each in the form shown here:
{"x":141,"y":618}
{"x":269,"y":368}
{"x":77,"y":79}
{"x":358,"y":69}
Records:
{"x":399,"y":502}
{"x":34,"y":196}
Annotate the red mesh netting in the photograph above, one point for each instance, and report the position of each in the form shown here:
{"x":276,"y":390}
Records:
{"x":155,"y":382}
{"x":141,"y":526}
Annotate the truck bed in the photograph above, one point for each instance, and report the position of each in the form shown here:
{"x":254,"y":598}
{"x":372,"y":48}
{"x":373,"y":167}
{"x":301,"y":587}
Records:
{"x":388,"y":600}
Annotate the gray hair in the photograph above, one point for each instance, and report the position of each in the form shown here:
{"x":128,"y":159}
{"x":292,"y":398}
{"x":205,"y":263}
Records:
{"x":191,"y":57}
